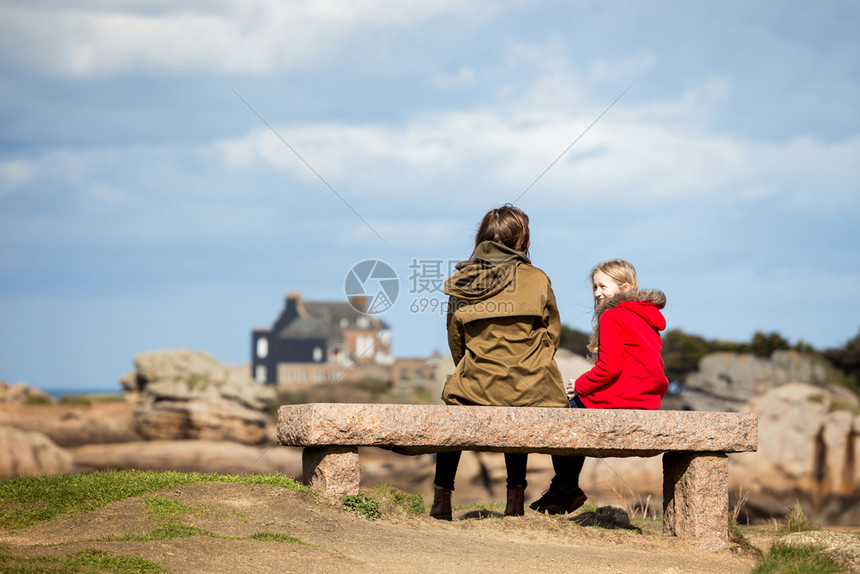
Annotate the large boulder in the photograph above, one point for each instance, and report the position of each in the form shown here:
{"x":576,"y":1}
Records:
{"x":807,"y":452}
{"x":21,"y":393}
{"x":26,"y":453}
{"x":727,"y":381}
{"x":70,"y":425}
{"x":186,"y":394}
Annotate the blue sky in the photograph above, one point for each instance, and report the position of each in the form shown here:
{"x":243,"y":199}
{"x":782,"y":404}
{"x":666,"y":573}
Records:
{"x":144,"y":205}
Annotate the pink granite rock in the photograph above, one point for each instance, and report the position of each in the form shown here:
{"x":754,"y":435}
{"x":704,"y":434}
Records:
{"x":696,"y":498}
{"x":416,"y":429}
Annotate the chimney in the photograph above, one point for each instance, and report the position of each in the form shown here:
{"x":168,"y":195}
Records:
{"x":294,"y":305}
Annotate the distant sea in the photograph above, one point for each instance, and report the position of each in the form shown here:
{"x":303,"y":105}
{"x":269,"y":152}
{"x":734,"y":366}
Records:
{"x":60,"y":393}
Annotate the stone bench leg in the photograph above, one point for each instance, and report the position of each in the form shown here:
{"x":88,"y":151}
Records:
{"x":331,"y":468}
{"x":696,"y":498}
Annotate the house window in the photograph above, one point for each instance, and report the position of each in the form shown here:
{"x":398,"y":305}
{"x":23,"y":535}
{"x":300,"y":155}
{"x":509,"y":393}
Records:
{"x":362,"y":322}
{"x":318,"y":354}
{"x":262,"y":347}
{"x":260,"y":373}
{"x":364,"y":344}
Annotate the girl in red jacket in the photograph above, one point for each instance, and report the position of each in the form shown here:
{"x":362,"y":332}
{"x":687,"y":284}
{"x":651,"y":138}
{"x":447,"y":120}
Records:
{"x":628,"y":369}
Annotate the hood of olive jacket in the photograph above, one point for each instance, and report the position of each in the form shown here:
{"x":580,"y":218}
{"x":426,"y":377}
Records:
{"x":488,"y":272}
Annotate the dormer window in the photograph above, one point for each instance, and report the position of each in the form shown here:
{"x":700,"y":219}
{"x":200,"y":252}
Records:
{"x":262,"y":348}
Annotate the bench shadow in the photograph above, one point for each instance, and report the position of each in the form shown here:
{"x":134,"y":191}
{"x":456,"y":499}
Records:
{"x":590,"y":519}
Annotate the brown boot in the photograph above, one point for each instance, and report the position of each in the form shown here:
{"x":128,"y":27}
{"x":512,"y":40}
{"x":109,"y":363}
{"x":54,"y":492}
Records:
{"x":441,"y":509}
{"x":516,"y":500}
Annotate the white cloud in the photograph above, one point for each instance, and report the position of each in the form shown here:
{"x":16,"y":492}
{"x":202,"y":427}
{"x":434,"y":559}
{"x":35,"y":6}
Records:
{"x":244,"y":37}
{"x":635,"y":158}
{"x":15,"y":173}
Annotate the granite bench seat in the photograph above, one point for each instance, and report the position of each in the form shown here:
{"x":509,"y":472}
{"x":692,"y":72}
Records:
{"x":694,"y":446}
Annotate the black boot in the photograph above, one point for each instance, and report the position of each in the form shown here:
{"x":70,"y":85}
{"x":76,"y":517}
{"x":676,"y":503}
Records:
{"x":516,"y":500}
{"x":559,"y":503}
{"x":441,"y":509}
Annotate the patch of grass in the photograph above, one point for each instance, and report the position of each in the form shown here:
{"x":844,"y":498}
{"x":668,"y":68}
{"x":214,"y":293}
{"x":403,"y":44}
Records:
{"x":843,"y":405}
{"x":737,"y":537}
{"x":362,"y":506}
{"x":86,"y":400}
{"x":409,"y":503}
{"x":818,"y":399}
{"x":277,"y":537}
{"x":28,"y":501}
{"x":478,"y":506}
{"x":796,"y":519}
{"x":37,"y":400}
{"x":166,"y":531}
{"x":92,"y":561}
{"x":785,"y":559}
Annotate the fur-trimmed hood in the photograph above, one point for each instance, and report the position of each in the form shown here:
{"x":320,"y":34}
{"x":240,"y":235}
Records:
{"x":645,"y":303}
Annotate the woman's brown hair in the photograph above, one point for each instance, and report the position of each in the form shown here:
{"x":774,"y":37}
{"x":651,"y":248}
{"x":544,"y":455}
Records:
{"x":507,"y":225}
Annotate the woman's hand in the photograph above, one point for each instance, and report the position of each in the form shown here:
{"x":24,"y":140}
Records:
{"x":571,"y":388}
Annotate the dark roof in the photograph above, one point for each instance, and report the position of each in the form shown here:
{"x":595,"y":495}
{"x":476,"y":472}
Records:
{"x":327,"y":321}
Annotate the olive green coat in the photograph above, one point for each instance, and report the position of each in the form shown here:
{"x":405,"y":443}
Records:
{"x":503,"y":331}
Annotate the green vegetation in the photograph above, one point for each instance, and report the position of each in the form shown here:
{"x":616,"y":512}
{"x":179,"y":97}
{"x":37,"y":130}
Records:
{"x":169,"y":530}
{"x":383,"y":499}
{"x":277,"y":537}
{"x":86,"y":400}
{"x":785,"y":559}
{"x":362,"y":506}
{"x":683,"y":351}
{"x":91,"y":561}
{"x":796,"y":519}
{"x":36,"y":400}
{"x":388,"y":496}
{"x":574,"y":340}
{"x":847,"y":360}
{"x":28,"y":501}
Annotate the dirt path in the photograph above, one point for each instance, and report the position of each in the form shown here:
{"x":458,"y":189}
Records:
{"x":341,"y":542}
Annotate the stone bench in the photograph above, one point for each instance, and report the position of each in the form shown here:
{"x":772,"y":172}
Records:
{"x":693,"y":444}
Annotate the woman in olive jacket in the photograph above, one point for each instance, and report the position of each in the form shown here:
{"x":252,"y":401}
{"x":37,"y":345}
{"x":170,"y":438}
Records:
{"x":503,"y":332}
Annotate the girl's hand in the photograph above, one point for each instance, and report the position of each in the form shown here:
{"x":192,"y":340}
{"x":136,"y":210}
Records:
{"x":571,"y":388}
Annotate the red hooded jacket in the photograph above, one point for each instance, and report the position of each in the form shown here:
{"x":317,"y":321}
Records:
{"x":628,"y":372}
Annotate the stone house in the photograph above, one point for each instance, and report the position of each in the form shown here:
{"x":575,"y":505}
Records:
{"x":318,"y":342}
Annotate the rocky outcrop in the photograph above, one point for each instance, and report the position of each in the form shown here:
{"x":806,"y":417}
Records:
{"x":73,"y":425}
{"x":21,"y":393}
{"x":727,"y":381}
{"x":808,"y":451}
{"x":185,"y":394}
{"x":189,"y":456}
{"x":30,"y":454}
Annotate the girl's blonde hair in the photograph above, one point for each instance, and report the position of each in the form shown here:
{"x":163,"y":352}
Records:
{"x":621,"y":272}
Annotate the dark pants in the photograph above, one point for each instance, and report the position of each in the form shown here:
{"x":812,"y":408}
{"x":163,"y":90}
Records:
{"x":566,"y":479}
{"x":567,"y":468}
{"x":448,"y":461}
